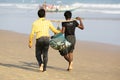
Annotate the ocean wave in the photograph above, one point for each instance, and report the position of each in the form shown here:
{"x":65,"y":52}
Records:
{"x":27,"y":6}
{"x":82,"y":5}
{"x":22,"y":6}
{"x":101,"y":8}
{"x":85,"y":5}
{"x":100,"y":11}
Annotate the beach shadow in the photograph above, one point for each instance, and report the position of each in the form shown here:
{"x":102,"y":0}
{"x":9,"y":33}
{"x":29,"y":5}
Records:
{"x":35,"y":65}
{"x":24,"y":65}
{"x":29,"y":66}
{"x":56,"y":68}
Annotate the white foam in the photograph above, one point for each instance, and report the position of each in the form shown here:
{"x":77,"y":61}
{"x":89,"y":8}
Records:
{"x":27,"y":6}
{"x":5,"y":5}
{"x":101,"y":8}
{"x":23,"y":6}
{"x":86,"y":5}
{"x":82,"y":5}
{"x":100,"y":11}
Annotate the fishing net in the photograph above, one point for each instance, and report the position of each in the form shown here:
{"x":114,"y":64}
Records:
{"x":58,"y":42}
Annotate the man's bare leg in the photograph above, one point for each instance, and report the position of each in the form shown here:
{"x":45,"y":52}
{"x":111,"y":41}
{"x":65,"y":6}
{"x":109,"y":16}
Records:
{"x":70,"y":61}
{"x":66,"y":57}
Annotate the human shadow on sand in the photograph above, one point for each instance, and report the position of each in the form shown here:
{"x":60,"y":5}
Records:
{"x":24,"y":65}
{"x":56,"y":68}
{"x":29,"y":66}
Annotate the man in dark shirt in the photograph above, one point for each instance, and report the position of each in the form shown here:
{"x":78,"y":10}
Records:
{"x":68,"y":28}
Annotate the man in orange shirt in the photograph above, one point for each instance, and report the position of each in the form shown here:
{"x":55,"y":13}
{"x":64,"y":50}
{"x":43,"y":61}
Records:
{"x":41,"y":28}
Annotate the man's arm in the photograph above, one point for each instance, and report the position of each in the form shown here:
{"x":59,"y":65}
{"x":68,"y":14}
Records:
{"x":81,"y":26}
{"x":53,"y":28}
{"x":31,"y":38}
{"x":63,"y":30}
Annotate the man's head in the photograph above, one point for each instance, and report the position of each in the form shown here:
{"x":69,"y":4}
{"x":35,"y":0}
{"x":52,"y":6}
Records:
{"x":68,"y":14}
{"x":41,"y":13}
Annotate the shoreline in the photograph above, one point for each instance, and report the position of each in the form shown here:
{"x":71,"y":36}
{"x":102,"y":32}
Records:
{"x":27,"y":34}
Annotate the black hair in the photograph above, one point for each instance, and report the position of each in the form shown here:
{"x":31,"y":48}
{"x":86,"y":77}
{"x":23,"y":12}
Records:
{"x":68,"y":14}
{"x":41,"y":13}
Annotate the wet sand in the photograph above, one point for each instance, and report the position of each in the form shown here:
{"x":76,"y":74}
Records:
{"x":92,"y":61}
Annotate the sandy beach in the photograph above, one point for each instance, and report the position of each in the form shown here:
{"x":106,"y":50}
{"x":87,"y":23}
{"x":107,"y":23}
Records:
{"x":92,"y":61}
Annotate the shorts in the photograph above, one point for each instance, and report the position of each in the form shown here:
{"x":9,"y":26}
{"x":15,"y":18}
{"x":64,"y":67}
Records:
{"x":72,"y":40}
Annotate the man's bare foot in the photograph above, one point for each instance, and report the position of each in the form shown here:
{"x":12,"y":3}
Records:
{"x":41,"y":67}
{"x":44,"y":71}
{"x":70,"y":67}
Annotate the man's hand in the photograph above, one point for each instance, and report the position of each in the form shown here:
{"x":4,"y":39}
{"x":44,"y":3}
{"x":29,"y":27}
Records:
{"x":81,"y":26}
{"x":30,"y":44}
{"x":78,"y":18}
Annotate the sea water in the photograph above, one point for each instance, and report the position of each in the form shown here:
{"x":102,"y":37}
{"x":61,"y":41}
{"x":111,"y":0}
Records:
{"x":100,"y":18}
